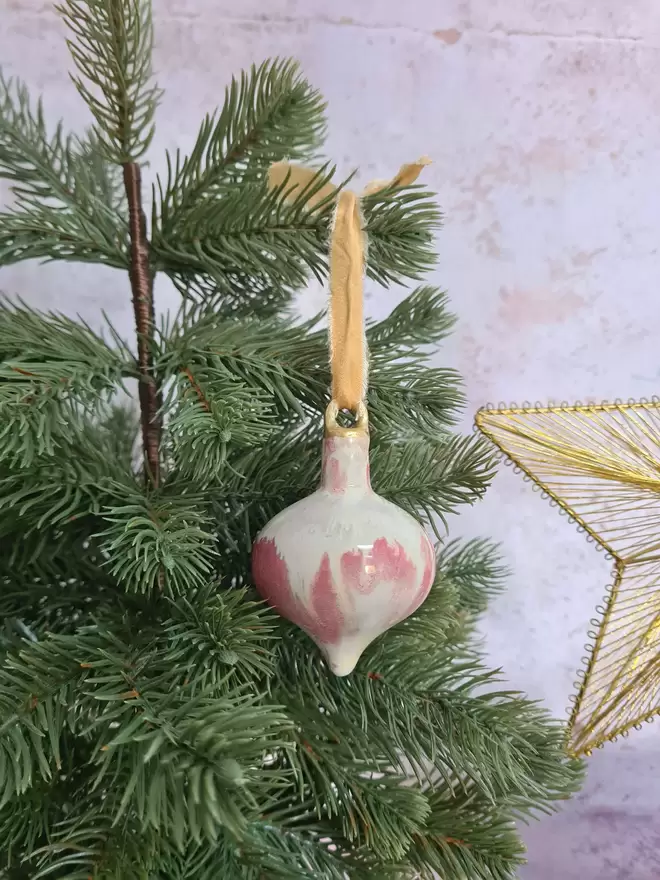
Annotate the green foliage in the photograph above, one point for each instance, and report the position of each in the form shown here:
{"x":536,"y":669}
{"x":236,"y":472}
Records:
{"x":111,"y":49}
{"x":400,"y":224}
{"x":430,"y":479}
{"x":476,"y":571}
{"x":466,"y":837}
{"x":206,"y":228}
{"x":213,"y":413}
{"x":232,"y":631}
{"x":50,"y":368}
{"x":158,"y":543}
{"x":250,"y":225}
{"x":421,"y":319}
{"x":268,"y":114}
{"x":157,"y":722}
{"x":66,"y":202}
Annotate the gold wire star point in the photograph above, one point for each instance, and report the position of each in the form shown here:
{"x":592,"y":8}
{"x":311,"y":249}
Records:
{"x":600,"y":464}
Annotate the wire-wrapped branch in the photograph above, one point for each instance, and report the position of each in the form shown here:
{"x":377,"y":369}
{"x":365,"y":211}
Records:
{"x":143,"y":309}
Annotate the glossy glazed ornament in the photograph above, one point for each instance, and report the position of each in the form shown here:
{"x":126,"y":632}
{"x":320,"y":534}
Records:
{"x":344,"y":564}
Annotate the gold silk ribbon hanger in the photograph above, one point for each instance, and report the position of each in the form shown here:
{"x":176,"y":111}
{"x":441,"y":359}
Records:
{"x":348,"y":347}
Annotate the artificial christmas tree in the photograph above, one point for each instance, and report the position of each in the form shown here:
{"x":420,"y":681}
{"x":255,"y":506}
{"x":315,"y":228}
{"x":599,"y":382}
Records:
{"x":156,"y":720}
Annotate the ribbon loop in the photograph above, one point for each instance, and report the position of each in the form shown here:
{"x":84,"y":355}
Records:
{"x":348,"y":348}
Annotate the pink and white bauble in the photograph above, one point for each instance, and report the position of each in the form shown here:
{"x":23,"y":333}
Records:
{"x":344,"y":564}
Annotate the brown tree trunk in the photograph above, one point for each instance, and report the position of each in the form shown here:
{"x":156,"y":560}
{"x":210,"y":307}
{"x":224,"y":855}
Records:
{"x":143,"y":309}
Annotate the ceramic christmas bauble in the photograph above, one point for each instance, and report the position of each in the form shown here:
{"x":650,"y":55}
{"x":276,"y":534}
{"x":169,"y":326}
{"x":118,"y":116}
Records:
{"x":344,"y":564}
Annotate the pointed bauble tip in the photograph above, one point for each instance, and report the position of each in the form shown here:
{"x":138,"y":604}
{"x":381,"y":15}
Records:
{"x":342,"y":657}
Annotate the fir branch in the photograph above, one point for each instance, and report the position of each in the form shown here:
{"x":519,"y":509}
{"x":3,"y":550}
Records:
{"x":506,"y":745}
{"x":50,"y":367}
{"x":38,"y":419}
{"x":409,"y":399}
{"x":25,"y":825}
{"x":185,"y":767}
{"x":245,"y":297}
{"x":59,"y":491}
{"x":271,"y":113}
{"x":36,"y":702}
{"x":80,"y":847}
{"x":158,"y":543}
{"x":430,"y":627}
{"x":158,"y":746}
{"x":406,"y":395}
{"x":31,"y":819}
{"x":430,"y":479}
{"x":476,"y":571}
{"x":27,"y":334}
{"x":215,"y":637}
{"x":256,"y":232}
{"x":37,"y":164}
{"x":44,"y":232}
{"x":289,"y":362}
{"x":111,"y":49}
{"x":141,"y":276}
{"x":107,"y":177}
{"x":436,"y":710}
{"x":51,"y":603}
{"x":421,"y":319}
{"x":212,"y":412}
{"x":285,"y":845}
{"x":400,"y":224}
{"x":296,"y":845}
{"x":112,"y":52}
{"x":43,"y":502}
{"x":272,"y":356}
{"x":47,"y":499}
{"x":66,"y":203}
{"x":248,"y":228}
{"x":348,"y":777}
{"x":116,"y":429}
{"x":466,"y":836}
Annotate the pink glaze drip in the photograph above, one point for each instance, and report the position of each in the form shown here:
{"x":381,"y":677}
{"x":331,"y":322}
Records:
{"x":393,"y":564}
{"x":335,"y":478}
{"x":325,"y":604}
{"x":271,"y":577}
{"x":356,"y":574}
{"x":402,"y":609}
{"x":345,"y":464}
{"x":362,"y":571}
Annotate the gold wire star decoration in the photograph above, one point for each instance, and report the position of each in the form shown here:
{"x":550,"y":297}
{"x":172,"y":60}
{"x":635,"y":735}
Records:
{"x":600,"y":464}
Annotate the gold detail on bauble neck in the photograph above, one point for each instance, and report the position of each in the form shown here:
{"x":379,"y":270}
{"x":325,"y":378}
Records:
{"x":334,"y":429}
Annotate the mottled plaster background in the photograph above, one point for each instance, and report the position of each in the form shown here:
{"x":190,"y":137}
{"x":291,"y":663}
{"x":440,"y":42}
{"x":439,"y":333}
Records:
{"x":542,"y":120}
